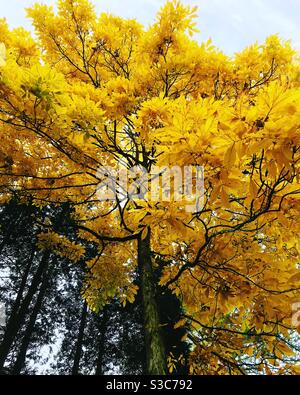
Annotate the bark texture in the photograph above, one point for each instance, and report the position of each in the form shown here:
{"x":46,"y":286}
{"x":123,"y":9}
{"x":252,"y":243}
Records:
{"x":155,"y":350}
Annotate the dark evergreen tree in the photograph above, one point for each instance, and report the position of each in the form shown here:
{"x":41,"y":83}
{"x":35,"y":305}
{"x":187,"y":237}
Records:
{"x":49,"y":328}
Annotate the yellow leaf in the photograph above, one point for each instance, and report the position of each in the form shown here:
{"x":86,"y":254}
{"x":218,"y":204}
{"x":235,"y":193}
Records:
{"x":180,"y":323}
{"x":287,"y":152}
{"x":272,"y":168}
{"x":253,"y":189}
{"x":184,"y":337}
{"x":144,"y":233}
{"x":224,"y":198}
{"x":295,"y":277}
{"x":296,"y":369}
{"x":284,"y":349}
{"x":230,"y":157}
{"x":223,"y":126}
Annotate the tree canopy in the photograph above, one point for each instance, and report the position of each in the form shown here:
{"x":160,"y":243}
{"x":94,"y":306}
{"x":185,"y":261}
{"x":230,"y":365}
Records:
{"x":93,"y":91}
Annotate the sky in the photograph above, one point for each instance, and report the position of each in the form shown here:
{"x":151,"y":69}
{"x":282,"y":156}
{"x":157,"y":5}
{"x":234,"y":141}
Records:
{"x":232,"y":24}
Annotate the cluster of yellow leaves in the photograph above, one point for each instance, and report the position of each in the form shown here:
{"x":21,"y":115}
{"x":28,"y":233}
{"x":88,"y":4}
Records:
{"x":173,"y":362}
{"x":259,"y":61}
{"x":60,"y":245}
{"x":118,"y":97}
{"x":110,"y":276}
{"x":20,"y":45}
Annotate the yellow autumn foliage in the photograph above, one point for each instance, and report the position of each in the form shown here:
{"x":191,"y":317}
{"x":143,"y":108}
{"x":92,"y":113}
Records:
{"x":102,"y":91}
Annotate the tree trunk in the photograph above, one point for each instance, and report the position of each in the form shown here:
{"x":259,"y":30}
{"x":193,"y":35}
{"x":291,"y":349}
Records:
{"x":20,"y":361}
{"x":75,"y":368}
{"x":16,"y":304}
{"x":102,"y":331}
{"x":6,"y":237}
{"x":155,"y":350}
{"x":17,"y":320}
